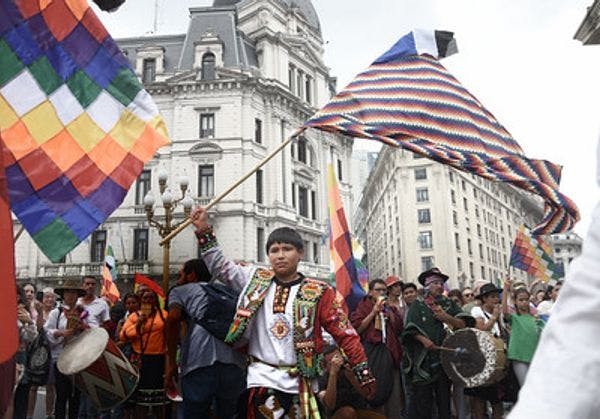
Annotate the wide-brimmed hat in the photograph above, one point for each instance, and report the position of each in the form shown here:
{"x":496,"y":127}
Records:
{"x":72,"y":285}
{"x":432,"y":272}
{"x":487,"y":289}
{"x":392,"y":280}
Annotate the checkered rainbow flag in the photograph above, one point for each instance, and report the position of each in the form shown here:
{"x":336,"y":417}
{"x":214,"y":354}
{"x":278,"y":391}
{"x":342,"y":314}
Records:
{"x":407,"y":99}
{"x":532,"y":255}
{"x":75,"y":123}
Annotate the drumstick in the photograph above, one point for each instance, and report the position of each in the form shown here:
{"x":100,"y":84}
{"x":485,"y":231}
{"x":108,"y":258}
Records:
{"x":458,"y":351}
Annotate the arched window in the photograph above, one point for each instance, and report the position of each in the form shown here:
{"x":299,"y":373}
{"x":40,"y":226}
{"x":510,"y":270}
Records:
{"x":302,"y":150}
{"x":208,"y":66}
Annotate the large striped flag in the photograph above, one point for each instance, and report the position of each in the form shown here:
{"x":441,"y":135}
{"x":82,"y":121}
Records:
{"x":76,"y":124}
{"x":109,"y":277}
{"x":406,"y":98}
{"x":340,"y":242}
{"x":532,"y":255}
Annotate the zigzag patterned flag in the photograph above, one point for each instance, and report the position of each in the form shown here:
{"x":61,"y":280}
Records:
{"x":406,"y":98}
{"x":347,"y":282}
{"x":76,"y":124}
{"x":531,"y":254}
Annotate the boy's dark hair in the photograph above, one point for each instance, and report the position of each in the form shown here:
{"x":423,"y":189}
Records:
{"x":199,"y":268}
{"x":285,"y":235}
{"x":376,"y":281}
{"x":408,"y":285}
{"x":521,"y":291}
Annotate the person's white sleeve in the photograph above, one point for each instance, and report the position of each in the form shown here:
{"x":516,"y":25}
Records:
{"x":563,"y":379}
{"x":51,"y":326}
{"x":105,"y":312}
{"x":477,"y":313}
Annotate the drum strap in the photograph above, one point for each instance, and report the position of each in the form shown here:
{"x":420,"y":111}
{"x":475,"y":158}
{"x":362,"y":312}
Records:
{"x":143,"y":345}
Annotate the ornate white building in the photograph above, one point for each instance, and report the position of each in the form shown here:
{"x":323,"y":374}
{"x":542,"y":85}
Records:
{"x":566,"y":248}
{"x":242,"y":78}
{"x":417,"y":214}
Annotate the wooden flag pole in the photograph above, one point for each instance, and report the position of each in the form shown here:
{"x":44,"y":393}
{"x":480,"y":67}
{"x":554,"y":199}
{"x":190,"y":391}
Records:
{"x":227,"y":191}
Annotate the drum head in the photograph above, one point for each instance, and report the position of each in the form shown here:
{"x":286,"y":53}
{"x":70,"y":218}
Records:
{"x":474,"y":363}
{"x":82,"y":351}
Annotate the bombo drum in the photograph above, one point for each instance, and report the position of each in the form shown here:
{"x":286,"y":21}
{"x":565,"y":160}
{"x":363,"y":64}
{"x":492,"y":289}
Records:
{"x":99,"y":368}
{"x":479,"y":361}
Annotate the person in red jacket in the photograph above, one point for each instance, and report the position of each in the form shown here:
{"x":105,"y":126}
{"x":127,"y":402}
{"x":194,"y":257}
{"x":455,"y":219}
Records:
{"x":379,"y":325}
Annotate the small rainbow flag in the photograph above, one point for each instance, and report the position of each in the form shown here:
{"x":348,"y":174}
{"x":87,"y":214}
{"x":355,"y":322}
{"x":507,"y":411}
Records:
{"x":345,"y":270}
{"x":532,"y":255}
{"x":75,"y":123}
{"x":407,"y":99}
{"x":109,"y":276}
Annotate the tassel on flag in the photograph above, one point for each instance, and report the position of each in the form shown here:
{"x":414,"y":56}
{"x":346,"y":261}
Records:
{"x":532,"y":255}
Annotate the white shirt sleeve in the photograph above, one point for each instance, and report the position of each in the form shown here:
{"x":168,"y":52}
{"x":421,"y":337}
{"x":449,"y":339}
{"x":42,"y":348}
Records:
{"x":563,"y":379}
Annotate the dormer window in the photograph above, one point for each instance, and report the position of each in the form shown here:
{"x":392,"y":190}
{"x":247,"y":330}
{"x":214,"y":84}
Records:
{"x":208,"y":66}
{"x":149,"y":70}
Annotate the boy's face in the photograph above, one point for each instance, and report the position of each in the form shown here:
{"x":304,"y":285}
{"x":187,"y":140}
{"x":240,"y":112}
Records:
{"x":409,"y":295}
{"x":284,"y":258}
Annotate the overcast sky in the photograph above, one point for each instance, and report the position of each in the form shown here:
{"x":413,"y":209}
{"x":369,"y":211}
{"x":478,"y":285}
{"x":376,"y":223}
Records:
{"x":518,"y":58}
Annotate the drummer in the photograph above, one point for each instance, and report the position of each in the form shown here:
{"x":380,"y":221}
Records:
{"x":63,"y":322}
{"x":424,"y":333}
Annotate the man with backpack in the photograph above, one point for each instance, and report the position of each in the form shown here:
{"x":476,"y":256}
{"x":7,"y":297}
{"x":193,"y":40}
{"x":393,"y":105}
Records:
{"x":210,"y":369}
{"x":281,"y":314}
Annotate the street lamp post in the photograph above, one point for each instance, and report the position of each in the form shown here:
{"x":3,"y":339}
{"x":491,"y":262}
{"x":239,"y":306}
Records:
{"x":169,"y":205}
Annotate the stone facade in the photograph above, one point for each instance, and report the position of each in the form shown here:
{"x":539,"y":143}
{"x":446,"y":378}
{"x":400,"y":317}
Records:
{"x":566,"y":247}
{"x":416,"y":214}
{"x":242,"y":79}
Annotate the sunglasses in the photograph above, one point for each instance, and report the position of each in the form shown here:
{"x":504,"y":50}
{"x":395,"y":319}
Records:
{"x":469,"y":294}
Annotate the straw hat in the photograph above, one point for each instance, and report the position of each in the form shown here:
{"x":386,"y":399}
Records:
{"x":71,"y":284}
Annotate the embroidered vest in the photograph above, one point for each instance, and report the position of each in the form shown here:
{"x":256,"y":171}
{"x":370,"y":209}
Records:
{"x":308,"y":362}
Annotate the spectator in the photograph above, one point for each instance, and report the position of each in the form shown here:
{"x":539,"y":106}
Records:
{"x":341,"y":394}
{"x":409,"y":294}
{"x":145,"y":329}
{"x":468,"y":295}
{"x":379,"y":326}
{"x":544,"y":309}
{"x":48,"y":304}
{"x":525,"y":331}
{"x":211,"y":371}
{"x":456,"y":296}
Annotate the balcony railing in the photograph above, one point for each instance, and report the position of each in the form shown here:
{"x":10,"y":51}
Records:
{"x":69,"y":270}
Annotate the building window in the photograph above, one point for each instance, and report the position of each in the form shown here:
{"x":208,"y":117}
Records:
{"x":208,"y":66}
{"x":455,"y":218}
{"x":480,"y":251}
{"x":459,"y":264}
{"x":206,"y":181}
{"x":457,"y":241}
{"x":260,"y":244}
{"x":305,"y":257}
{"x":463,"y":185}
{"x":424,"y":216}
{"x":303,"y":201}
{"x":140,"y":244}
{"x":308,"y":88}
{"x":339,"y":171}
{"x":259,"y":186}
{"x":313,"y":205}
{"x":465,"y":204}
{"x":426,"y":263}
{"x":302,"y":150}
{"x":142,"y":186}
{"x":149,"y":70}
{"x":421,"y":173}
{"x":469,"y":247}
{"x":291,"y":78}
{"x":422,"y":195}
{"x":293,"y":195}
{"x":451,"y":176}
{"x":315,"y":252}
{"x":258,"y":131}
{"x":300,"y":83}
{"x":98,"y":245}
{"x":482,"y":272}
{"x":426,"y":240}
{"x":207,"y":125}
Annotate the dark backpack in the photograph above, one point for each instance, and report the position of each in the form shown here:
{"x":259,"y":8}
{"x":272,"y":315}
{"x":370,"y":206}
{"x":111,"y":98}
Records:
{"x":37,"y":367}
{"x":220,"y":310}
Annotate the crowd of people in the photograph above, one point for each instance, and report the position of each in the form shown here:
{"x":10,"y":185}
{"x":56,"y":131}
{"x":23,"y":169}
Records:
{"x":292,"y":348}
